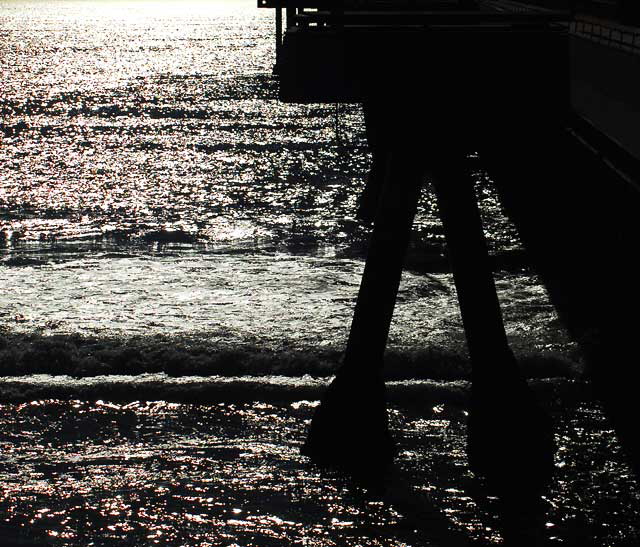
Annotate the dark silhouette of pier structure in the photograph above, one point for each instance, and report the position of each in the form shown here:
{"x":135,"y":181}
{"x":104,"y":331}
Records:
{"x":438,"y":80}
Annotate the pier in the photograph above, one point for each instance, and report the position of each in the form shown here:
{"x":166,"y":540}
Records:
{"x":439,"y":79}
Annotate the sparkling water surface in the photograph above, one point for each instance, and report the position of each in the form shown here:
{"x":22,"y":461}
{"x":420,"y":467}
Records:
{"x":231,"y":474}
{"x":153,"y":183}
{"x":159,"y":205}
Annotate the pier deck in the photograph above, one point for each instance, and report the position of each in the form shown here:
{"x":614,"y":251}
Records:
{"x":341,"y":51}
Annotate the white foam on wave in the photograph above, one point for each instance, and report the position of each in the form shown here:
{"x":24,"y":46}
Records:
{"x":276,"y":299}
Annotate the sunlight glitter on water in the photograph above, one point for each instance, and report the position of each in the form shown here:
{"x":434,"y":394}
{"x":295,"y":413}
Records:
{"x":274,"y":299}
{"x":174,"y":474}
{"x":180,"y":142}
{"x":152,"y":186}
{"x":118,"y":126}
{"x":155,"y":186}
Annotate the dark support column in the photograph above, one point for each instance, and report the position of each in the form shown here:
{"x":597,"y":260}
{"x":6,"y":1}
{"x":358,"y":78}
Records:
{"x":469,"y":257}
{"x":278,"y":39}
{"x":510,"y":439}
{"x":291,"y":13}
{"x":350,"y":428}
{"x":383,"y":269}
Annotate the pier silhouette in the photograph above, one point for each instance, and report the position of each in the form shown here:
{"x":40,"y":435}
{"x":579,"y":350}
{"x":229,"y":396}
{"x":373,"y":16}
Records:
{"x":437,"y":81}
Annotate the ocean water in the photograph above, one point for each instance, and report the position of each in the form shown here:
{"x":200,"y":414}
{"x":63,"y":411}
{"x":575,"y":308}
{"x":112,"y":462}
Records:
{"x":170,"y":232}
{"x":152,"y":187}
{"x":157,"y":473}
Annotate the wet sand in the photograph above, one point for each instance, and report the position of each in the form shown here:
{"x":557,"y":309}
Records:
{"x":99,"y":473}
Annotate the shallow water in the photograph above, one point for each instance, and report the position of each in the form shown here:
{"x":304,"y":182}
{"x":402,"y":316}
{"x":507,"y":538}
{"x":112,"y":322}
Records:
{"x":208,"y":312}
{"x":273,"y":298}
{"x":179,"y":474}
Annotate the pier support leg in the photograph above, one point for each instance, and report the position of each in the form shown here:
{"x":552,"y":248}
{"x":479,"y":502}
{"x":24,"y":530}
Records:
{"x":370,"y":197}
{"x":510,"y":440}
{"x":349,"y":428}
{"x":278,"y":64}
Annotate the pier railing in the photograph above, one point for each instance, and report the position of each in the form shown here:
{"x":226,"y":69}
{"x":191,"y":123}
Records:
{"x":416,"y":13}
{"x":625,"y":39}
